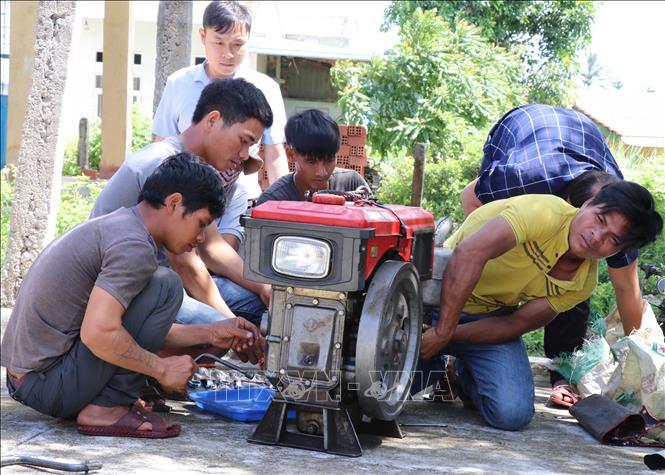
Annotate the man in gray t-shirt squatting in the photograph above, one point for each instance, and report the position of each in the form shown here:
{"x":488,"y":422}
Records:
{"x":80,"y":345}
{"x":230,"y":116}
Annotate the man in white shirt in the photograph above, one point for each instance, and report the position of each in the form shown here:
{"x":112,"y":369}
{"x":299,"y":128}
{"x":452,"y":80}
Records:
{"x":225,"y":36}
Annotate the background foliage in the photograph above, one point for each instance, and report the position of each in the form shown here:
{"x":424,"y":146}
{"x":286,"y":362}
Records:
{"x":443,"y":85}
{"x":141,"y":136}
{"x":547,"y":35}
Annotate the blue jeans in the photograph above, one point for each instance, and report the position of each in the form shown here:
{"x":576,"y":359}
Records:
{"x":242,"y":302}
{"x":194,"y":312}
{"x":497,"y":377}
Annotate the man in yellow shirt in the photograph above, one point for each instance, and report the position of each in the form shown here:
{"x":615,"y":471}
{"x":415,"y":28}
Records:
{"x":516,"y":264}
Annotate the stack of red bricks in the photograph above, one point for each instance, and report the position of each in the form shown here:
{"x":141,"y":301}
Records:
{"x":351,"y":154}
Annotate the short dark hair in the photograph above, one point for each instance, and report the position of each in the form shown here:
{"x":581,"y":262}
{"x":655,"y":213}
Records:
{"x":200,"y":184}
{"x":637,"y":205}
{"x":313,"y":134}
{"x":224,"y":16}
{"x":585,"y":186}
{"x":236,"y":100}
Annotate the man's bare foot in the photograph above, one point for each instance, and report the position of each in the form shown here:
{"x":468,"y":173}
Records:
{"x":93,"y":415}
{"x":563,"y":394}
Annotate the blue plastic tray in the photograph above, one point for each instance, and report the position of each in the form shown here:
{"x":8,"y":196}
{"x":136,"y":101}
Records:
{"x":244,"y":404}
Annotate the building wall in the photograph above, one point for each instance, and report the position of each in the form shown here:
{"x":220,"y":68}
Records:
{"x":81,"y":93}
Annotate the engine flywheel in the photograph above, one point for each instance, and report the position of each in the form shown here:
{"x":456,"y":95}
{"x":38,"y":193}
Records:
{"x":388,"y":342}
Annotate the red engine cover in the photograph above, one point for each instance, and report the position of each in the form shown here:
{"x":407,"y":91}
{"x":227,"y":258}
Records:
{"x":363,"y":214}
{"x":350,"y":215}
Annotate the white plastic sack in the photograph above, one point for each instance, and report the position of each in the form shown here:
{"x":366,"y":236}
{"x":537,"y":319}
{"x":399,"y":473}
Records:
{"x":632,"y":369}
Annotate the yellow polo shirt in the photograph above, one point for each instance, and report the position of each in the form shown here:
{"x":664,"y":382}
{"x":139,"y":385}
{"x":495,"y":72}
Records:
{"x":540,"y":224}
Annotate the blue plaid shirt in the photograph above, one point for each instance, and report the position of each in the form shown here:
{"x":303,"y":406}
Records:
{"x":539,"y":149}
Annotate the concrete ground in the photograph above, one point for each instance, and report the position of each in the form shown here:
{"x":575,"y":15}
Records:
{"x":440,"y":437}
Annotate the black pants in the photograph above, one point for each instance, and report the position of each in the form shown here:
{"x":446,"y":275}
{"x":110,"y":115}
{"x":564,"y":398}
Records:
{"x":80,"y":378}
{"x":565,"y":333}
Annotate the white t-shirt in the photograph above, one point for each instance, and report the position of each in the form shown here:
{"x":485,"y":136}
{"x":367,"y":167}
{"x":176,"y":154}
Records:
{"x":182,"y":92}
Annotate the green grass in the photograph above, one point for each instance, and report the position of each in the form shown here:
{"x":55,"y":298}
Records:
{"x":535,"y":345}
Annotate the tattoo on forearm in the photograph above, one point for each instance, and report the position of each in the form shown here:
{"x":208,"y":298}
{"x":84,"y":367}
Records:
{"x":126,"y":347}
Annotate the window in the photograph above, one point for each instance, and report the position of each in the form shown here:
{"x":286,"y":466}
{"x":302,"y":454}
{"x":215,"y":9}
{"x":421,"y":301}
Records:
{"x":99,"y":105}
{"x":98,"y":81}
{"x":137,"y":84}
{"x":199,"y":60}
{"x":99,"y":57}
{"x":306,"y":79}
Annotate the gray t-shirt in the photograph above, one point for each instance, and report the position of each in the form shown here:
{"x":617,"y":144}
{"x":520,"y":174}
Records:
{"x":284,"y":189}
{"x":124,"y":187}
{"x":114,"y":252}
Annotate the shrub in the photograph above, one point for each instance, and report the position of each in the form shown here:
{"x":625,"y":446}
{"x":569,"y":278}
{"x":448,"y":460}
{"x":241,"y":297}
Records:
{"x":76,"y":201}
{"x":141,"y":136}
{"x":534,"y":342}
{"x":649,"y":171}
{"x":7,"y":195}
{"x":444,"y":181}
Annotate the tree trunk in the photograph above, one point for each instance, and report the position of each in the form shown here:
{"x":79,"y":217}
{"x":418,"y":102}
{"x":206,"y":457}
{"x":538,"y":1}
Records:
{"x":37,"y":191}
{"x":418,"y":174}
{"x":174,"y":42}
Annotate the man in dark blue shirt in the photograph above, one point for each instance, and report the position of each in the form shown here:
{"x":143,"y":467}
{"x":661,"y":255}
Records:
{"x":550,"y":150}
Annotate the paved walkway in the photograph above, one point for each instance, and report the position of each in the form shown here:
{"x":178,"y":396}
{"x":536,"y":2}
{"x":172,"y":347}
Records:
{"x":453,"y":440}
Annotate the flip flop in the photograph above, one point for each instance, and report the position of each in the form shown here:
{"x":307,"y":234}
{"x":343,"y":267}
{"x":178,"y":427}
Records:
{"x":128,"y":426}
{"x":562,"y":391}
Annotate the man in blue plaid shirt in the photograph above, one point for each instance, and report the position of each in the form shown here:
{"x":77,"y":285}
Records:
{"x":549,"y":150}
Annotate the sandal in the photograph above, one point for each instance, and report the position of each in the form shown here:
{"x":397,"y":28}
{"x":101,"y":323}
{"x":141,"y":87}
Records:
{"x":564,"y":395}
{"x":128,"y":426}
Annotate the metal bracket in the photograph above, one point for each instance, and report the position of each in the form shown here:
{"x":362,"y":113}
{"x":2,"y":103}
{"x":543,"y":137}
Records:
{"x":339,"y":436}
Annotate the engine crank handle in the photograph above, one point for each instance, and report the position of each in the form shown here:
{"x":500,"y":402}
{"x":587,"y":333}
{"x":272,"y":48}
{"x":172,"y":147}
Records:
{"x":423,"y":424}
{"x":50,"y":464}
{"x":248,"y":373}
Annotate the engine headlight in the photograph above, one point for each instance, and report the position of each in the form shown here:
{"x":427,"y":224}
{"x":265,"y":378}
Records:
{"x":301,"y":257}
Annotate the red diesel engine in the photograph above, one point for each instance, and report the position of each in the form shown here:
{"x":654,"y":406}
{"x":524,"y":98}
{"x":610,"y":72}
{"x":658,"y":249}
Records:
{"x":344,"y":326}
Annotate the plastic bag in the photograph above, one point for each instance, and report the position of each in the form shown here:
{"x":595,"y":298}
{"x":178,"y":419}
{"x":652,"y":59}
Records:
{"x":630,"y":370}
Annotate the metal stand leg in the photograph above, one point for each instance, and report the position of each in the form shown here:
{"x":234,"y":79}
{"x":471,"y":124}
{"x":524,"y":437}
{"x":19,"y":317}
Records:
{"x":382,"y":428}
{"x":339,"y":436}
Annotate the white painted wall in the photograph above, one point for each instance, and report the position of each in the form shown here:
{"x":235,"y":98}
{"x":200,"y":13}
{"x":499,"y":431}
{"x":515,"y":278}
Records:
{"x":81,"y":93}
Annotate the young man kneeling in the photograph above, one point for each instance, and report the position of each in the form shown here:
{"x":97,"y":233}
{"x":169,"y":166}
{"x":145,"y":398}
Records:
{"x":516,"y":264}
{"x":81,"y":345}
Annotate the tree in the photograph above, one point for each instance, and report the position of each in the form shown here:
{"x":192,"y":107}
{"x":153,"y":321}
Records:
{"x":546,"y":34}
{"x":439,"y":85}
{"x":174,"y":42}
{"x":36,"y":195}
{"x":442,"y":84}
{"x":592,"y":72}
